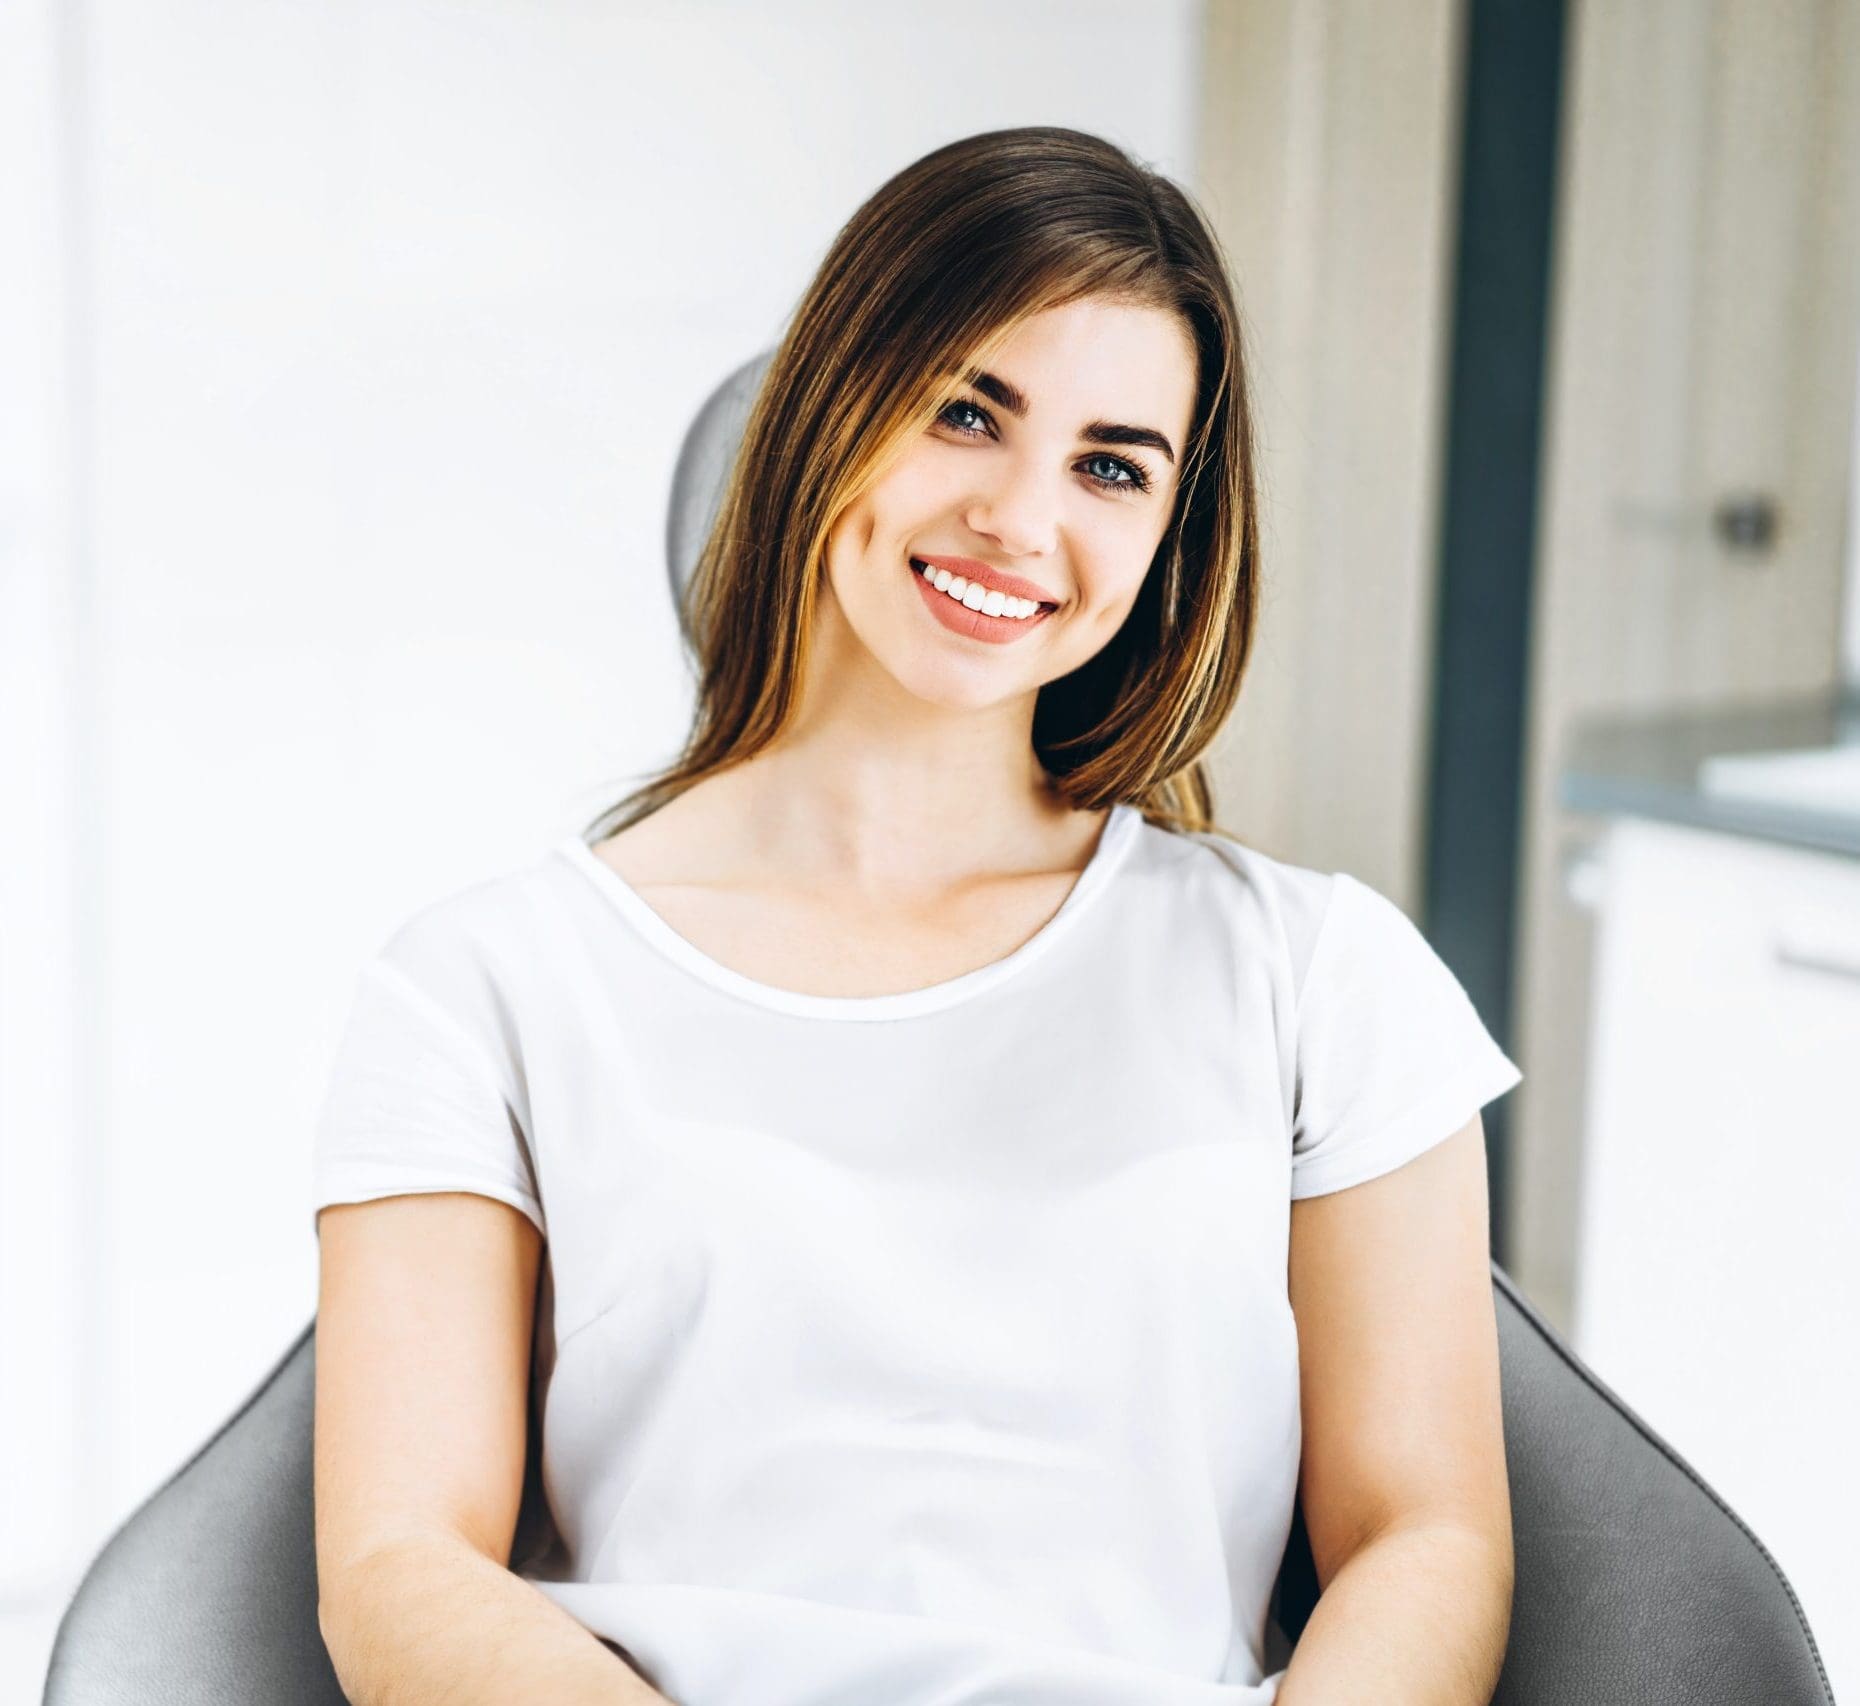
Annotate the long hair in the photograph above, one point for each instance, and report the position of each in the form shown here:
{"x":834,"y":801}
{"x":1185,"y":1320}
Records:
{"x":930,"y":277}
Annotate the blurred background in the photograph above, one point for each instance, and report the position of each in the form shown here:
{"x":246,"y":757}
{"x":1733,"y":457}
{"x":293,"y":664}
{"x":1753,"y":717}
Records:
{"x":345,"y":354}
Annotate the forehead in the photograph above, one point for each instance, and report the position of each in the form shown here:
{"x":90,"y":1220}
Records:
{"x":1096,"y":357}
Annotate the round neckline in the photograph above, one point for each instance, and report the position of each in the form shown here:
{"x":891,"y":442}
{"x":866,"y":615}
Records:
{"x":1115,"y":838}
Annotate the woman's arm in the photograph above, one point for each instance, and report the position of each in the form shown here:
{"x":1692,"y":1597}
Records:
{"x":1415,"y":1614}
{"x":437,"y":1623}
{"x":1403,"y":1480}
{"x":423,"y":1336}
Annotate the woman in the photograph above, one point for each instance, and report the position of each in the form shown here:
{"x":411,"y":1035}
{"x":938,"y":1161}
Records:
{"x":979,"y":1194}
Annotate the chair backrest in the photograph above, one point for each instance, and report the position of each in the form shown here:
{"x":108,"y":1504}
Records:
{"x":704,"y":460}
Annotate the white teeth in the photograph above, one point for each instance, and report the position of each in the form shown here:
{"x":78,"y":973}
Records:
{"x":989,"y":603}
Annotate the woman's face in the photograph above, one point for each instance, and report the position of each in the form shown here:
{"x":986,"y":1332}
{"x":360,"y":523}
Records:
{"x":1055,"y":472}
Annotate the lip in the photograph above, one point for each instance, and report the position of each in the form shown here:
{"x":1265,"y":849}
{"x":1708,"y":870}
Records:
{"x":995,"y":580}
{"x":973,"y":624}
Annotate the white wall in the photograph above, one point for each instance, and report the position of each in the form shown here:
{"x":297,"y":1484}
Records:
{"x":387,"y":322}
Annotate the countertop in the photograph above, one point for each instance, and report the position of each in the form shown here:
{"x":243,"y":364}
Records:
{"x":1656,"y":765}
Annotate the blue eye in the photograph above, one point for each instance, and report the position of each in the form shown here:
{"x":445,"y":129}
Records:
{"x":962,"y":403}
{"x":1138,"y":481}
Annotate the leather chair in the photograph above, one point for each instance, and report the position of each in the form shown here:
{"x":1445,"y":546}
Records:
{"x":1635,"y":1582}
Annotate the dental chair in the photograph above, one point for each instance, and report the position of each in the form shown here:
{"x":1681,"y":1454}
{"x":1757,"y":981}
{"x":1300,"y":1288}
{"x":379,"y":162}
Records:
{"x":1636,"y":1584}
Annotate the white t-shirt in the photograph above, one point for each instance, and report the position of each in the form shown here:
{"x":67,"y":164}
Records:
{"x":919,"y":1348}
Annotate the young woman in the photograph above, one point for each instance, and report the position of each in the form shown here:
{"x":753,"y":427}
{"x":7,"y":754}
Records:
{"x":943,"y":1195}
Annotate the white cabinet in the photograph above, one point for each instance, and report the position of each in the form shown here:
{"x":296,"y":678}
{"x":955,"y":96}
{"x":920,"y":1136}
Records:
{"x":1718,"y":1239}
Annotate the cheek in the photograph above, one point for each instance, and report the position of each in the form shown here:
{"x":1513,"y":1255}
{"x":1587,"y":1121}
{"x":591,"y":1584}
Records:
{"x":851,"y":536}
{"x":1112,"y":586}
{"x":917,"y":489}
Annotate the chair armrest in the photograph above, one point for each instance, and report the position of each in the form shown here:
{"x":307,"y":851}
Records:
{"x":1635,"y":1581}
{"x":207,"y":1593}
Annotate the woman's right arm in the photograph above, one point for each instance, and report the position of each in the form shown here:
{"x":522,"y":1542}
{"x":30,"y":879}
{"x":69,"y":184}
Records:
{"x":436,"y":1623}
{"x":422,"y":1389}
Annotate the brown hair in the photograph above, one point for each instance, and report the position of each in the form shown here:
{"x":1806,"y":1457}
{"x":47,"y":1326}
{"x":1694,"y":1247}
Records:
{"x":932,"y":274}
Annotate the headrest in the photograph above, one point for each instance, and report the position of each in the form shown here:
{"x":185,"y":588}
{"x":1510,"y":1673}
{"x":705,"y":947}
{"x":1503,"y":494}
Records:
{"x":704,"y":464}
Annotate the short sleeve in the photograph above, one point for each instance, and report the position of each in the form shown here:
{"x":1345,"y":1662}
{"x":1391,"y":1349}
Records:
{"x":1392,"y":1056}
{"x":414,"y":1104}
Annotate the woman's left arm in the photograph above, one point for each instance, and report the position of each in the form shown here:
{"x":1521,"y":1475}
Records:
{"x":1403,"y":1478}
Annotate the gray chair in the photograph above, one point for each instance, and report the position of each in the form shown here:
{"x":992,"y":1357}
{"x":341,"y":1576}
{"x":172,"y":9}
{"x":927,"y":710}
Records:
{"x":1635,"y":1583}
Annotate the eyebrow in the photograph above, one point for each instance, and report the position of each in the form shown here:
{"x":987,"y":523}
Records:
{"x":998,"y":390}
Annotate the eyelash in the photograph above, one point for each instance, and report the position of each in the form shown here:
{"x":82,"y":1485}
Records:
{"x":1138,"y":481}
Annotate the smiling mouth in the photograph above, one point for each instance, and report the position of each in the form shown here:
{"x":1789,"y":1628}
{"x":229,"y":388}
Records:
{"x":922,"y":569}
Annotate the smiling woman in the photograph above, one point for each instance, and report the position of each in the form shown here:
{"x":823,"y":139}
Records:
{"x":1080,"y":525}
{"x":961,"y":1165}
{"x":1020,"y":360}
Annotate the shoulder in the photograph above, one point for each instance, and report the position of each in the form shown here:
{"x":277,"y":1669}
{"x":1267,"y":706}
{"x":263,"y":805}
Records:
{"x":1290,"y":902}
{"x":451,"y":919}
{"x":465,"y":945}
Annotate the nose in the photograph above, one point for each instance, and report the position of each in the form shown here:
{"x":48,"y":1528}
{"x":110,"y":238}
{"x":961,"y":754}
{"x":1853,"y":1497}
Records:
{"x":1019,"y":511}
